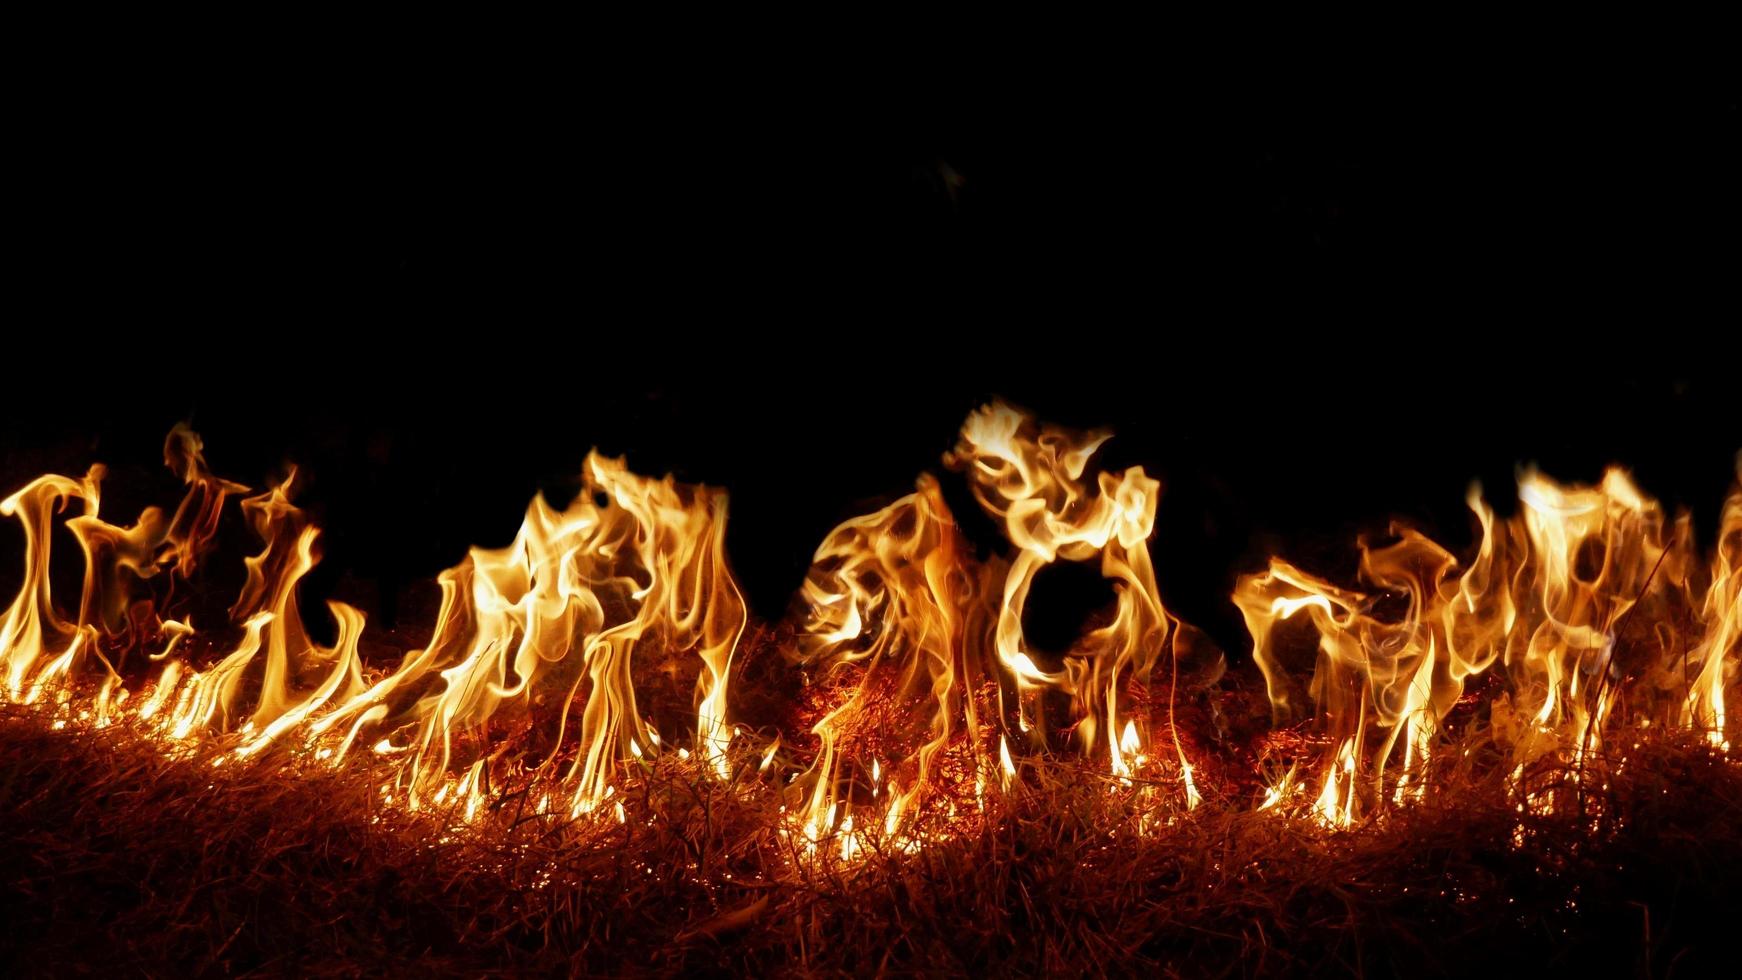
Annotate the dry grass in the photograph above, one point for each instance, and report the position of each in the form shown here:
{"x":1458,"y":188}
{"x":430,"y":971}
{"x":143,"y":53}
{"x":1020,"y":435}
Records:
{"x":119,"y":859}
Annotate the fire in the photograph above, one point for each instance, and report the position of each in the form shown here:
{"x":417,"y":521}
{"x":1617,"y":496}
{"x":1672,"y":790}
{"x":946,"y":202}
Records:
{"x":557,"y":616}
{"x":1717,"y":652}
{"x":195,"y":524}
{"x":900,"y":588}
{"x":899,"y":591}
{"x":633,"y":564}
{"x":36,"y":644}
{"x":1588,"y":610}
{"x":124,"y":591}
{"x":1030,"y":477}
{"x":1576,"y":598}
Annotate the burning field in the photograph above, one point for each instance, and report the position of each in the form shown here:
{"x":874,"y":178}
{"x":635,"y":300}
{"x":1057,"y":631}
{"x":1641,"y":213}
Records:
{"x":591,"y":756}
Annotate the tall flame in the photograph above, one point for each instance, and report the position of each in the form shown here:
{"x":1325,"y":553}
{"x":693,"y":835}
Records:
{"x":1721,"y":647}
{"x":36,"y":644}
{"x":631,"y":565}
{"x":287,"y":676}
{"x":1030,"y":477}
{"x":1588,"y":607}
{"x":897,"y":587}
{"x":1575,"y":597}
{"x":900,"y":587}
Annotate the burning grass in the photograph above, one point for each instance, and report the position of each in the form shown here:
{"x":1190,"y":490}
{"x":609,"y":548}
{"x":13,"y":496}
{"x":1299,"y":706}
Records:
{"x":594,"y":761}
{"x":121,"y":856}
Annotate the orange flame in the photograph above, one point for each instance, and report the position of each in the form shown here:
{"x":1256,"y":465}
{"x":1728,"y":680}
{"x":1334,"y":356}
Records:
{"x":1721,"y":647}
{"x":195,"y":523}
{"x":565,"y":606}
{"x":1552,"y":595}
{"x":1030,"y":477}
{"x":897,"y":586}
{"x":37,"y":647}
{"x":1588,"y":605}
{"x":295,"y":676}
{"x":36,"y":644}
{"x":900,"y":586}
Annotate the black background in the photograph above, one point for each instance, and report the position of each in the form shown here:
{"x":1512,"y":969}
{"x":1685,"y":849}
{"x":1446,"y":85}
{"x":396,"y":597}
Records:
{"x":1307,"y":308}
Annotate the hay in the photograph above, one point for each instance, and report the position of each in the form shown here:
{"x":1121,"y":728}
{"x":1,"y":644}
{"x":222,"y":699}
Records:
{"x":120,"y":858}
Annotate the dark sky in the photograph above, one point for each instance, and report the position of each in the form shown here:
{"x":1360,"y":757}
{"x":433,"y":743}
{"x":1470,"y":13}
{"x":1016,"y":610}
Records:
{"x":1307,"y":309}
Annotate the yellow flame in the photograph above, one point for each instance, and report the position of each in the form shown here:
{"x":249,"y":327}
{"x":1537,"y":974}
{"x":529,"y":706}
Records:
{"x":120,"y":601}
{"x":1031,"y":478}
{"x":898,"y":592}
{"x":894,"y":587}
{"x":631,"y":564}
{"x":1721,"y":647}
{"x":913,"y":646}
{"x":1548,"y":597}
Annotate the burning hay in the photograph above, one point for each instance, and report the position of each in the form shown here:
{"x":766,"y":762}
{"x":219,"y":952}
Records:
{"x":123,"y":858}
{"x":1515,"y":748}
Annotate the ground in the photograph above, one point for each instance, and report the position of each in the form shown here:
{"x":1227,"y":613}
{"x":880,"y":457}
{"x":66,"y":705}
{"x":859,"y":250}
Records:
{"x":120,"y":858}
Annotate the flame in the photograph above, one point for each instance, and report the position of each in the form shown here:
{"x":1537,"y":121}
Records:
{"x":287,"y":676}
{"x":632,"y":564}
{"x":1589,"y":608}
{"x":895,"y":587}
{"x":899,"y":591}
{"x":1721,"y":647}
{"x":195,"y":524}
{"x":34,"y":639}
{"x":1575,"y":598}
{"x":565,"y":606}
{"x":1030,"y":477}
{"x":123,"y":593}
